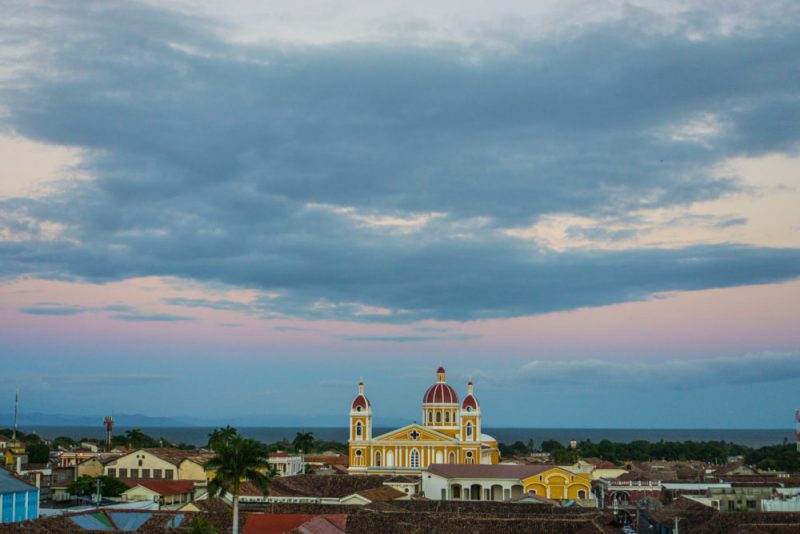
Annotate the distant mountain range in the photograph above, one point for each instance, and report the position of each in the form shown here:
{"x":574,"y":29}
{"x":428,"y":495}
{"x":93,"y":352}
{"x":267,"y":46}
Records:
{"x":36,"y":419}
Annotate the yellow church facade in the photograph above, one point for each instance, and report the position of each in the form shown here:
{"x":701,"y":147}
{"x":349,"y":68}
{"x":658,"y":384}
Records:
{"x":450,"y":433}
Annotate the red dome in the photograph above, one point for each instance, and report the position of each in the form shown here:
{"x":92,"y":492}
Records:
{"x":361,"y":401}
{"x":470,"y":402}
{"x":440,"y":393}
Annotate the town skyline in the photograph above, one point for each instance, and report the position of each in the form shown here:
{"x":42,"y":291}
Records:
{"x":591,"y":213}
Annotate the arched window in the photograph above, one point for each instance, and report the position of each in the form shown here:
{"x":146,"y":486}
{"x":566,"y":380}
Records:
{"x":452,"y":458}
{"x":581,"y":494}
{"x":469,"y":429}
{"x":378,"y":458}
{"x":413,"y":460}
{"x":470,"y":459}
{"x":438,"y":417}
{"x":430,"y":417}
{"x":358,"y":429}
{"x":446,"y":417}
{"x":359,"y":458}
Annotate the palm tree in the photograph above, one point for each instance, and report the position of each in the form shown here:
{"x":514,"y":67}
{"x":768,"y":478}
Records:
{"x":237,"y":460}
{"x":137,"y":439}
{"x":220,"y":436}
{"x":303,"y":442}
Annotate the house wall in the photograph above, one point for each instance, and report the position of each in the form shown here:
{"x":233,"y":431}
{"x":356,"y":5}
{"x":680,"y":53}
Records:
{"x":135,"y":462}
{"x":190,"y":470}
{"x":19,"y":506}
{"x":91,"y":468}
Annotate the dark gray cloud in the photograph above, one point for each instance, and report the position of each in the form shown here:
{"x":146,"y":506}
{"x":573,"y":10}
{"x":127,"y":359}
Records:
{"x":678,"y":375}
{"x":55,"y":308}
{"x":227,"y":164}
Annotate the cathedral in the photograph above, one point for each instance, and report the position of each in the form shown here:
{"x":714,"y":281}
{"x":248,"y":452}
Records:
{"x":450,"y":433}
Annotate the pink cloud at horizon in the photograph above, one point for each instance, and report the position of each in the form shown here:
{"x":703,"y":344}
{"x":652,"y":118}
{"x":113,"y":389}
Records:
{"x":676,"y":325}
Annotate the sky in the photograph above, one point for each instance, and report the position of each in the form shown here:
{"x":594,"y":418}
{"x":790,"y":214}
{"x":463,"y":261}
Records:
{"x":220,"y":210}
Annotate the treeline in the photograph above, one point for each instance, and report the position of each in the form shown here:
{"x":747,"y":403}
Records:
{"x":776,"y":457}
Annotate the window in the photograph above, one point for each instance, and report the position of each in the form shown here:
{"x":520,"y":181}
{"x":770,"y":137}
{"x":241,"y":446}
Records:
{"x":438,"y":417}
{"x":430,"y":417}
{"x":145,"y":473}
{"x":358,"y":429}
{"x":140,"y":463}
{"x":446,"y":417}
{"x":751,"y":505}
{"x":134,"y":473}
{"x":452,"y":458}
{"x":156,"y":473}
{"x":469,"y":408}
{"x":123,"y":473}
{"x":112,"y":472}
{"x":469,"y":430}
{"x":470,"y":459}
{"x":378,"y":459}
{"x":169,"y":474}
{"x":413,"y":459}
{"x":581,"y":494}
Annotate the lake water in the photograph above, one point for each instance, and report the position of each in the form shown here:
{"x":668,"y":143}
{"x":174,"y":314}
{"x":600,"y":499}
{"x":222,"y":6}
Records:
{"x":199,"y":435}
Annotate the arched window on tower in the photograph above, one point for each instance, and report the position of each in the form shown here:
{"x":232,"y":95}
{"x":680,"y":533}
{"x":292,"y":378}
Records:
{"x":438,"y":417}
{"x":358,"y":429}
{"x":469,"y":429}
{"x":446,"y":417}
{"x":413,"y":460}
{"x":377,"y":458}
{"x":430,"y":417}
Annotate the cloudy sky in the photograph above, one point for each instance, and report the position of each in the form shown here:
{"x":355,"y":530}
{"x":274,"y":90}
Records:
{"x":588,"y":207}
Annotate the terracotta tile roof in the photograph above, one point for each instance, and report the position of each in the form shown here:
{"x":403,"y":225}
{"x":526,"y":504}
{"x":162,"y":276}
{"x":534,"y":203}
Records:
{"x":487,"y":471}
{"x":403,"y":479}
{"x":383,"y":493}
{"x":318,"y":486}
{"x":305,"y":523}
{"x":160,"y":486}
{"x":176,"y":456}
{"x":327,"y":459}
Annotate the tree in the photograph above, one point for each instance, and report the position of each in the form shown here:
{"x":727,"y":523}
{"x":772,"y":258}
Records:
{"x":239,"y":459}
{"x":109,"y":486}
{"x":38,"y":453}
{"x":303,"y":442}
{"x":64,"y":441}
{"x":137,"y":439}
{"x":551,"y":445}
{"x":201,"y":525}
{"x":221,"y":436}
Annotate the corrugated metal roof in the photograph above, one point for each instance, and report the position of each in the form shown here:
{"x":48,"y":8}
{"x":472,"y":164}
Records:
{"x":11,"y":484}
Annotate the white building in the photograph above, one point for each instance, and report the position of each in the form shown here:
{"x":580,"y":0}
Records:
{"x":503,"y":482}
{"x":287,"y":465}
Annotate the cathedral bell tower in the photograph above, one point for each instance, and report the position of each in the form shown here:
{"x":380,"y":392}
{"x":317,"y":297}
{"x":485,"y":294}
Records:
{"x":360,"y":428}
{"x":470,"y":416}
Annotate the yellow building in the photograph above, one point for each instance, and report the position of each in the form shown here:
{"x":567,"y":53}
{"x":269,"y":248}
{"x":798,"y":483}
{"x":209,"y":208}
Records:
{"x":160,"y":463}
{"x":450,"y":433}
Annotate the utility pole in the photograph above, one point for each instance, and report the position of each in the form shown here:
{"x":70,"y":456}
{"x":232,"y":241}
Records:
{"x":16,"y":410}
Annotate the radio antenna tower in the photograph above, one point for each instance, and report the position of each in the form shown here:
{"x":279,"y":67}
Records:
{"x":109,"y":422}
